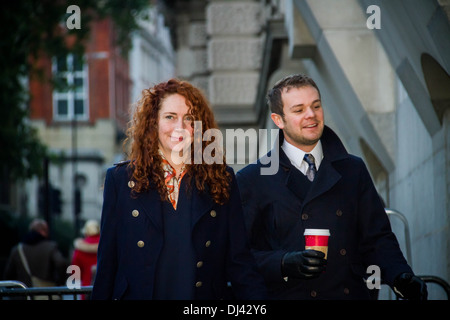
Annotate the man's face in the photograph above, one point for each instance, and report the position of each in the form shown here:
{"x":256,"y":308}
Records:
{"x":303,"y":120}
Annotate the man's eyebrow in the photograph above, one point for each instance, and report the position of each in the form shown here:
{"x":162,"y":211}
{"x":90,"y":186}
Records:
{"x":301,"y":104}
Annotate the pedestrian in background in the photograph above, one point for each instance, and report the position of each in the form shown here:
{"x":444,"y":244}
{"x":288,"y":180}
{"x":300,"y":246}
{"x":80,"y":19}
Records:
{"x":36,"y":261}
{"x":173,"y":228}
{"x":85,"y":253}
{"x":318,"y":185}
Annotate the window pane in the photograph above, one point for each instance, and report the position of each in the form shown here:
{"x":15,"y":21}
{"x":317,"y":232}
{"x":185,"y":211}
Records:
{"x":62,"y":108}
{"x":78,"y":84}
{"x":61,"y":63}
{"x":61,"y":84}
{"x":79,"y":107}
{"x":70,"y":87}
{"x":77,"y":63}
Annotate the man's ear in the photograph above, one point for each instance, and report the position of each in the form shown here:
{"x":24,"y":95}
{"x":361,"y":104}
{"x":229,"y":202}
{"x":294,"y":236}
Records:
{"x":278,"y":120}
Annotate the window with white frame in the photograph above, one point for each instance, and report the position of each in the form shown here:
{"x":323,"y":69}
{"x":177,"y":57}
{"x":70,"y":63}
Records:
{"x":70,"y":94}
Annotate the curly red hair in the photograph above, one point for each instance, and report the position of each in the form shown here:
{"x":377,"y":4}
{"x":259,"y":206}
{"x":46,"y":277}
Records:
{"x":143,"y":133}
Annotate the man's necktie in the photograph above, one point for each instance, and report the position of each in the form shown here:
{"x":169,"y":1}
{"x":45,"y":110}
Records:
{"x":311,"y":172}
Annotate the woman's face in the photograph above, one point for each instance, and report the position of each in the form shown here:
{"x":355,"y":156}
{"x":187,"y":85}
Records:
{"x":175,"y":128}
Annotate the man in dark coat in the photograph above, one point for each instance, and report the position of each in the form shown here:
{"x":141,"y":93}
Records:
{"x":334,"y":192}
{"x":44,"y":259}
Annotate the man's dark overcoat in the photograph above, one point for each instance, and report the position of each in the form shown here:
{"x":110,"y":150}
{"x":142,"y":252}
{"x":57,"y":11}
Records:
{"x":279,"y":207}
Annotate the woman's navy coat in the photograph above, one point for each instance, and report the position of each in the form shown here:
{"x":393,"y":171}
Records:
{"x":342,"y":198}
{"x":131,"y":241}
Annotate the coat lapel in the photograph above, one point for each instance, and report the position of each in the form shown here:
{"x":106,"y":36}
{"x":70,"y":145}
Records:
{"x":296,"y":183}
{"x":151,"y":204}
{"x":201,"y":203}
{"x":326,"y":178}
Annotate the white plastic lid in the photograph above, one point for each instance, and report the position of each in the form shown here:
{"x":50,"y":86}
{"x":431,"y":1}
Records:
{"x":317,"y":232}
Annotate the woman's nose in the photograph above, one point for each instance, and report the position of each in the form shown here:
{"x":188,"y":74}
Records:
{"x":180,"y":124}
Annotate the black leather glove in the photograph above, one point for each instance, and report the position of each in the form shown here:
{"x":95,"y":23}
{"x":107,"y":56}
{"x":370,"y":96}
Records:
{"x":308,"y":264}
{"x":408,"y":286}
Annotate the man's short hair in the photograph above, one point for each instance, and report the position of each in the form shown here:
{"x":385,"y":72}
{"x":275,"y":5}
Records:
{"x":292,"y":81}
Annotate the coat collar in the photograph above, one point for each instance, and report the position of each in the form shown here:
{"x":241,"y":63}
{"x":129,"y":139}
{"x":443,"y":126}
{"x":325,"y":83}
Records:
{"x":327,"y":176}
{"x":201,"y":203}
{"x":333,"y":149}
{"x":151,"y":204}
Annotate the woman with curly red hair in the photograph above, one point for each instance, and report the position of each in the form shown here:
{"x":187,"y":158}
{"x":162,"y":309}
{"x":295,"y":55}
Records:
{"x":172,"y":228}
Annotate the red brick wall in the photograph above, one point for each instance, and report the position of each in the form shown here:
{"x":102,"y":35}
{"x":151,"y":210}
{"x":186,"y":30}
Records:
{"x":41,"y":91}
{"x":108,"y":80}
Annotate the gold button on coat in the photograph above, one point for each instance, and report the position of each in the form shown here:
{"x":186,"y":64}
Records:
{"x":198,"y":284}
{"x":140,"y":243}
{"x":213,"y":213}
{"x":199,"y":264}
{"x":208,"y":243}
{"x":131,"y":184}
{"x":135,"y":213}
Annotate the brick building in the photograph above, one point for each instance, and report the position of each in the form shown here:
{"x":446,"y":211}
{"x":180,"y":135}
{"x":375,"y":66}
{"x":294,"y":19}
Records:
{"x":83,"y":123}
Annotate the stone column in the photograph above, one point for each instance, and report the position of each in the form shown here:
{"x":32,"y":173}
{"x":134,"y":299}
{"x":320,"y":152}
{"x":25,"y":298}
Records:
{"x":234,"y":52}
{"x":191,"y":43}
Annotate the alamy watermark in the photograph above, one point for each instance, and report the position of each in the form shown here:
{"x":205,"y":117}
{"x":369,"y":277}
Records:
{"x":374,"y":280}
{"x":257,"y":142}
{"x":74,"y":20}
{"x":74,"y":280}
{"x":374,"y":20}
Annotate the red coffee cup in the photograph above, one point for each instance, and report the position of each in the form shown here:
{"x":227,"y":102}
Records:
{"x":317,"y":239}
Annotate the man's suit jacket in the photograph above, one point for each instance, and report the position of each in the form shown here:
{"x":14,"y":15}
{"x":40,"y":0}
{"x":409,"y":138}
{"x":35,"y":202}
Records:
{"x":131,"y":241}
{"x":342,"y":198}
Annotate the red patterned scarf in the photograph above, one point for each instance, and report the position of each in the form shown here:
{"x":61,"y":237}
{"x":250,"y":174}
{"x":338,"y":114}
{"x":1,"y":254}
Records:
{"x":172,"y":181}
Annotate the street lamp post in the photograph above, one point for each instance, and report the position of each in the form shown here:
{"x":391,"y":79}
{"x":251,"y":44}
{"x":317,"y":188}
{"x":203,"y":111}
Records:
{"x":76,"y":204}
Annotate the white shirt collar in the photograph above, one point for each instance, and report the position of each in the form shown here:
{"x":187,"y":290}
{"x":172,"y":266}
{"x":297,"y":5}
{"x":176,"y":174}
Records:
{"x":296,"y":155}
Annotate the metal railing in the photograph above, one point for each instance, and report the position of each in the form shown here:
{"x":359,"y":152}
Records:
{"x":12,"y":289}
{"x":428,"y":279}
{"x":401,"y":216}
{"x":439,"y":281}
{"x":17,"y":289}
